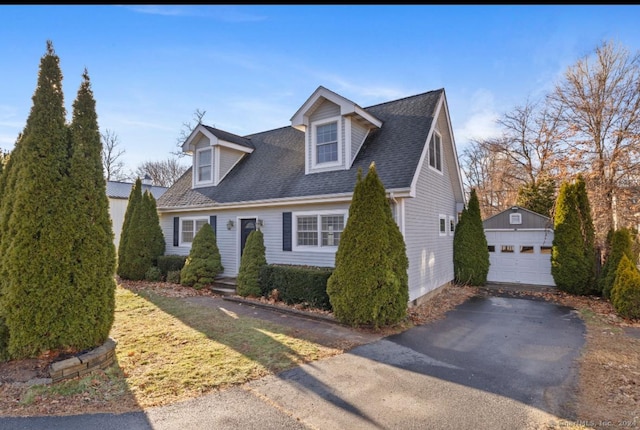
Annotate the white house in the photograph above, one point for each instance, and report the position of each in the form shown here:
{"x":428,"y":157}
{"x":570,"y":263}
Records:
{"x":520,"y":244}
{"x":295,"y":183}
{"x":118,"y":194}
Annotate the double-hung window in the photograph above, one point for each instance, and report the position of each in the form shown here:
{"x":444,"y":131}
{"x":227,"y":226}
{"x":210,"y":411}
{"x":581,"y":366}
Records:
{"x":189,"y":227}
{"x":204,"y":163}
{"x":318,"y":231}
{"x":327,"y":143}
{"x":435,"y":152}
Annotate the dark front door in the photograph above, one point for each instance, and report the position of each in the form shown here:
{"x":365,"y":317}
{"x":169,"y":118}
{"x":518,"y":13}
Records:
{"x":246,"y":227}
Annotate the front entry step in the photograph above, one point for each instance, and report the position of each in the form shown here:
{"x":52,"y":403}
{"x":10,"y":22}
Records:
{"x":224,"y":286}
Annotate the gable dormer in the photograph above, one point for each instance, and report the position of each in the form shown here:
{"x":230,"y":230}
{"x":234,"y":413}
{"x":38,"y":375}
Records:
{"x":214,"y":153}
{"x":335,"y":128}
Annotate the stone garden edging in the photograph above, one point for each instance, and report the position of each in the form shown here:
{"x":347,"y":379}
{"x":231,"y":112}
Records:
{"x":98,"y":358}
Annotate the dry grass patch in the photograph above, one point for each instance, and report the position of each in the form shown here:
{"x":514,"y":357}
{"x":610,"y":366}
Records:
{"x":170,"y":350}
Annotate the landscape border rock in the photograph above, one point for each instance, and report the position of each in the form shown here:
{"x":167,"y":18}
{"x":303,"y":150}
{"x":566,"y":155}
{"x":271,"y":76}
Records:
{"x":99,"y":358}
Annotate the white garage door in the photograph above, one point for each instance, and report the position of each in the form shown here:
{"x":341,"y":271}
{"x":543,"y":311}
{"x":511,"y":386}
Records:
{"x":522,"y":257}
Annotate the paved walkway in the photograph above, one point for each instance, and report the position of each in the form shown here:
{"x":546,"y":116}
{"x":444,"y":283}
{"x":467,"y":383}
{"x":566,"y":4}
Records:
{"x":492,"y":363}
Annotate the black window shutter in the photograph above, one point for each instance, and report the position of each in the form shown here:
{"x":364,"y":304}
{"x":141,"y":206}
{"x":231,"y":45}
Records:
{"x":286,"y":231}
{"x":176,"y":231}
{"x":212,"y":223}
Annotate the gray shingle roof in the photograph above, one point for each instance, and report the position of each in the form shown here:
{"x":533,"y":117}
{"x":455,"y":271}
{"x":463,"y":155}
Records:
{"x":122,"y":190}
{"x":276,"y":167}
{"x":229,"y":137}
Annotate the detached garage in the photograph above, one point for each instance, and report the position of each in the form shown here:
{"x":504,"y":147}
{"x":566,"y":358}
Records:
{"x":519,"y":243}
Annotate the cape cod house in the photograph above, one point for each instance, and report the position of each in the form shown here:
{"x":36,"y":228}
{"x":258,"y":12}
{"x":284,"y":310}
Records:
{"x":295,"y":183}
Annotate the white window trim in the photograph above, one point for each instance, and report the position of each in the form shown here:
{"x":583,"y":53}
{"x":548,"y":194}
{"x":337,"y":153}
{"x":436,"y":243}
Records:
{"x":435,"y":133}
{"x":195,"y":219}
{"x":318,"y":247}
{"x":446,"y":226}
{"x":515,"y":219}
{"x":197,"y":182}
{"x":314,"y":140}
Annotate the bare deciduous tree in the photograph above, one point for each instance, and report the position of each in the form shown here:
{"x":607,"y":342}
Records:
{"x":187,"y":128}
{"x":494,"y":176}
{"x":111,"y":156}
{"x":162,"y":173}
{"x":600,"y":96}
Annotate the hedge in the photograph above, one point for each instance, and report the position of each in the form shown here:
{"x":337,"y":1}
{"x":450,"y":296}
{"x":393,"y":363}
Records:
{"x":297,"y":284}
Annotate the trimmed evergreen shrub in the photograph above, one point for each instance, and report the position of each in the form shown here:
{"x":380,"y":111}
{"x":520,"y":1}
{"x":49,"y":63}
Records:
{"x":625,"y":294}
{"x":470,"y":249}
{"x":620,"y":243}
{"x":297,"y":284}
{"x":203,"y":263}
{"x":173,"y":276}
{"x":171,"y":263}
{"x":253,"y":259}
{"x":369,"y":284}
{"x":56,"y":243}
{"x":573,"y":255}
{"x":153,"y":274}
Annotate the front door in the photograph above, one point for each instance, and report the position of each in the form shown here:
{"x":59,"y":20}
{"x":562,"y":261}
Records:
{"x":246,"y":226}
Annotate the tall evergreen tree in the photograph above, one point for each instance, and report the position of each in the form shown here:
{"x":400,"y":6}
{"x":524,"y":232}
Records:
{"x":470,"y":250}
{"x":92,"y":310}
{"x":572,"y":261}
{"x":37,"y":257}
{"x":588,"y":234}
{"x":621,"y":244}
{"x":144,"y":242}
{"x":369,"y":284}
{"x":538,"y":197}
{"x":135,"y":200}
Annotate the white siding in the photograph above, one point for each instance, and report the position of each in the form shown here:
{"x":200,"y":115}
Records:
{"x":228,"y":158}
{"x":430,"y":254}
{"x":358,"y":134}
{"x":117,"y":209}
{"x":228,"y":241}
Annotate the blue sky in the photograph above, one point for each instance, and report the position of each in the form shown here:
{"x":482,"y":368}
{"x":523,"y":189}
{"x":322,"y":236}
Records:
{"x":251,"y":67}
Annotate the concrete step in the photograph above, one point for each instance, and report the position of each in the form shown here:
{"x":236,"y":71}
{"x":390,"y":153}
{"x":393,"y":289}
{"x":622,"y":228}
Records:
{"x":224,"y":286}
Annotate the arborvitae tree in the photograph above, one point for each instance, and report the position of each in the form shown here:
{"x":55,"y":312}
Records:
{"x":369,"y":284}
{"x":621,"y":243}
{"x":91,"y":311}
{"x":37,"y":256}
{"x":570,"y":267}
{"x":204,"y":262}
{"x":145,"y":241}
{"x":539,"y":197}
{"x":625,"y":294}
{"x":135,"y":200}
{"x":470,"y":249}
{"x":253,"y":259}
{"x":588,"y":234}
{"x":153,"y":237}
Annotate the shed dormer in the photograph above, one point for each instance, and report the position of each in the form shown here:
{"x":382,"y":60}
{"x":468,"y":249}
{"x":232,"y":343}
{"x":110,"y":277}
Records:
{"x":214,"y":153}
{"x":335,"y":128}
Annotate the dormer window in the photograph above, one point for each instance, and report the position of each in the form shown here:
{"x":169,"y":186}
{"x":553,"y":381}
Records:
{"x":327,"y":143}
{"x":204,"y":161}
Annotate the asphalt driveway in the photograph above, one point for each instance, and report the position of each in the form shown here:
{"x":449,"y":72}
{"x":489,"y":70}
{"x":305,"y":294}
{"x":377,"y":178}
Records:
{"x":492,"y":363}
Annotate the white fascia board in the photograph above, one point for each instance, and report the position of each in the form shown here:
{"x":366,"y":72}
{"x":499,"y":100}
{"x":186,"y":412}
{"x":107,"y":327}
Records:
{"x":366,"y":115}
{"x":453,"y":146}
{"x":425,"y":149}
{"x":186,"y":146}
{"x":235,"y":146}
